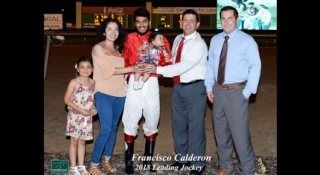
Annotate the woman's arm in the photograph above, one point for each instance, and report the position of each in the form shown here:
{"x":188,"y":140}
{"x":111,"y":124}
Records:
{"x":124,"y":70}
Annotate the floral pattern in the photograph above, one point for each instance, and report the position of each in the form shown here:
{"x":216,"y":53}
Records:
{"x":79,"y":126}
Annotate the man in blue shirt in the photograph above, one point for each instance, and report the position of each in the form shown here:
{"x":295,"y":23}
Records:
{"x":231,"y":98}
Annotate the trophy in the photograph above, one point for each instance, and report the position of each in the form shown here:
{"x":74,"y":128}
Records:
{"x":143,"y":54}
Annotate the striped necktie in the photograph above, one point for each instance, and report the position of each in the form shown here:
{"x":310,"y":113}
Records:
{"x":222,"y":63}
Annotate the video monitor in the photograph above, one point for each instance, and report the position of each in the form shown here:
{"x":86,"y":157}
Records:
{"x":253,"y":14}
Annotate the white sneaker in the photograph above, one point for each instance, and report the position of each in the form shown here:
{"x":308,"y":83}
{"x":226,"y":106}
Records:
{"x":135,"y":85}
{"x":74,"y":171}
{"x":82,"y":170}
{"x":140,"y":85}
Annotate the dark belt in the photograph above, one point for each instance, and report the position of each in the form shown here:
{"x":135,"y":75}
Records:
{"x":230,"y":86}
{"x":191,"y":82}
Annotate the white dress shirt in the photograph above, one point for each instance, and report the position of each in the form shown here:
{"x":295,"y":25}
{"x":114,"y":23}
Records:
{"x":193,"y":59}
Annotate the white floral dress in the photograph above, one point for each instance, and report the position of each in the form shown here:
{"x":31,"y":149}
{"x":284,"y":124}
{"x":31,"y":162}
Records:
{"x":79,"y":126}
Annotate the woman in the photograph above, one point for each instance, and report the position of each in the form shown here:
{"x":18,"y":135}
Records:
{"x":110,"y":91}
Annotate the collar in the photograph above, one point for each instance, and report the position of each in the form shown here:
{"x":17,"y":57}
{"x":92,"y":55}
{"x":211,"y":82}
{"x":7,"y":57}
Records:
{"x":232,"y":34}
{"x":193,"y":35}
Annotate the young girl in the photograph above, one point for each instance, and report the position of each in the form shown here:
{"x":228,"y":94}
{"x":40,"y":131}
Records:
{"x":162,"y":57}
{"x":80,"y":101}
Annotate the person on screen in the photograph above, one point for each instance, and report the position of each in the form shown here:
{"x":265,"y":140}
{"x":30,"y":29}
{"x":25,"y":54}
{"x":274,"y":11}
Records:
{"x":265,"y":18}
{"x":242,"y":16}
{"x":251,"y":20}
{"x":258,"y":16}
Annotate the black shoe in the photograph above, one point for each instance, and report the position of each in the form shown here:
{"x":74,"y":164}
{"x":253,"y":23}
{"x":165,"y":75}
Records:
{"x":129,"y":169}
{"x":198,"y":172}
{"x":180,"y":165}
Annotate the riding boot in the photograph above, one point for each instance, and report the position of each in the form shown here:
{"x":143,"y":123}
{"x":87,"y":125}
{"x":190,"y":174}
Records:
{"x":148,"y":152}
{"x":129,"y":145}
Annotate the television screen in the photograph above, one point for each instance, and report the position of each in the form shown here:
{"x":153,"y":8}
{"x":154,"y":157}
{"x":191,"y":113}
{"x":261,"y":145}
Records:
{"x":253,"y":14}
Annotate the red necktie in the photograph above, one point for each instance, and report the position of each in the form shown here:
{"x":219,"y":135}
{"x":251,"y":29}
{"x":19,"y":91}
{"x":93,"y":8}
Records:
{"x":176,"y":79}
{"x":222,"y":63}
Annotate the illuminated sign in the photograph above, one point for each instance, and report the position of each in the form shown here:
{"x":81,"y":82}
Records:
{"x":180,"y":10}
{"x":98,"y":18}
{"x":94,"y":20}
{"x":161,"y":17}
{"x":93,"y":16}
{"x":53,"y":22}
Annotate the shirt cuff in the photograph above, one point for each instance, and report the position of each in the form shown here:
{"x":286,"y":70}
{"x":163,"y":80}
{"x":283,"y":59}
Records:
{"x":160,"y":70}
{"x":246,"y":93}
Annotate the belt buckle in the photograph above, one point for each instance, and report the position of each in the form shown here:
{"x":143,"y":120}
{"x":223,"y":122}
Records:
{"x":230,"y":86}
{"x":224,"y":86}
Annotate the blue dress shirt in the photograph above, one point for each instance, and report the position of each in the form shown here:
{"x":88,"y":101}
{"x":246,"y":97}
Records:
{"x":243,"y":61}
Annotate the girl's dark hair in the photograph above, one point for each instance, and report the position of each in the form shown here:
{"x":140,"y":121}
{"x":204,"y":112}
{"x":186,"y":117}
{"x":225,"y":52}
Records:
{"x":84,"y":59}
{"x":153,"y":36}
{"x":119,"y":42}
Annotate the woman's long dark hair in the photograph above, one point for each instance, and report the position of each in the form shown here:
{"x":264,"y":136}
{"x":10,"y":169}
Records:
{"x":119,"y":42}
